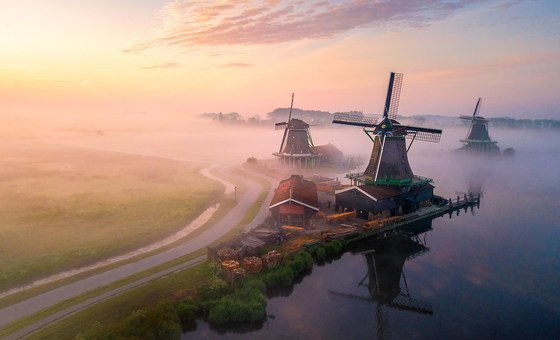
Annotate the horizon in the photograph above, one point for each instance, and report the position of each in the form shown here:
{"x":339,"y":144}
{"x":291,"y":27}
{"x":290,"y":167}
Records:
{"x":177,"y":57}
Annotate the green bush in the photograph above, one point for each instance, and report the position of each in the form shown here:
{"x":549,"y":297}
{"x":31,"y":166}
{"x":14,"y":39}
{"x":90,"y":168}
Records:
{"x":231,"y":310}
{"x":245,"y":305}
{"x":320,"y":254}
{"x":217,"y":289}
{"x":334,"y":249}
{"x":187,"y":310}
{"x":282,"y":276}
{"x":306,"y":257}
{"x":159,"y":323}
{"x":255,"y":284}
{"x":301,"y":261}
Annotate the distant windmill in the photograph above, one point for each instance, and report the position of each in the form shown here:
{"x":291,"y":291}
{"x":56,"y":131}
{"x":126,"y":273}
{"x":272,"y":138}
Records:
{"x":389,"y":160}
{"x":296,"y":149}
{"x":478,"y":138}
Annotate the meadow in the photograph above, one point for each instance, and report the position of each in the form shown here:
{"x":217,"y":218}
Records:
{"x":62,"y":208}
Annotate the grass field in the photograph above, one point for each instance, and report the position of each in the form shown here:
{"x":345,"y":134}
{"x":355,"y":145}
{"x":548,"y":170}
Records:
{"x":64,"y":208}
{"x":115,"y":309}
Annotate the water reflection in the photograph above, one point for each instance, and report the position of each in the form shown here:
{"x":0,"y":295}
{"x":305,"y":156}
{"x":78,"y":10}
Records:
{"x":385,"y":279}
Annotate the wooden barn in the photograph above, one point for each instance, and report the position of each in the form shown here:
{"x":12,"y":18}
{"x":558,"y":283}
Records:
{"x":373,"y":201}
{"x":294,"y":202}
{"x":330,"y":154}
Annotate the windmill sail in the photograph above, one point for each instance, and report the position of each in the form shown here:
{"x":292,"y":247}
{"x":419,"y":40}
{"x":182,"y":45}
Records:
{"x":286,"y":128}
{"x":280,"y":126}
{"x":393,"y":95}
{"x":354,"y":118}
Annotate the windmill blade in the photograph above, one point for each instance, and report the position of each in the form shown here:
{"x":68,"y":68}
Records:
{"x":478,"y":119}
{"x":424,"y":136}
{"x":410,"y":304}
{"x":280,"y":126}
{"x":411,"y":129}
{"x":351,"y":296}
{"x":477,"y":108}
{"x":419,"y":133}
{"x":355,"y":119}
{"x":393,"y":95}
{"x":287,"y":124}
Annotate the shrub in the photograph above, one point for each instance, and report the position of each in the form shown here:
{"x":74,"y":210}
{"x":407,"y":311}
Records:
{"x":282,"y":276}
{"x":245,"y":305}
{"x":334,"y":248}
{"x":187,"y":310}
{"x":320,"y":254}
{"x":255,"y":283}
{"x":159,"y":323}
{"x":215,"y":290}
{"x":231,"y":310}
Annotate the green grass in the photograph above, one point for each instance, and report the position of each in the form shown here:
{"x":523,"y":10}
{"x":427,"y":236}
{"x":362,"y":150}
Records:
{"x":80,"y":320}
{"x":66,"y":208}
{"x":225,"y":205}
{"x":114,"y":310}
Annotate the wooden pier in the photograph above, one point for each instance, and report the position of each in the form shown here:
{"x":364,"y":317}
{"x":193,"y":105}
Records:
{"x":393,"y":226}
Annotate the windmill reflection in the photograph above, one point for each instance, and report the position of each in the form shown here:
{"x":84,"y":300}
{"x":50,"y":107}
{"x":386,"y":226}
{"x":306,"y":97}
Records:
{"x":385,"y":279}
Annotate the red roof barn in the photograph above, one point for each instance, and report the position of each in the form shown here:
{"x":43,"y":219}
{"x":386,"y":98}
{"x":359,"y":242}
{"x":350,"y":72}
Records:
{"x":295,"y":202}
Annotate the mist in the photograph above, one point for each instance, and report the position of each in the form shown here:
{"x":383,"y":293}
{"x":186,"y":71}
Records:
{"x":203,"y":141}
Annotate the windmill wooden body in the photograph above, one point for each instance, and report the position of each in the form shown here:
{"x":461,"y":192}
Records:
{"x":388,"y":177}
{"x":297,"y":149}
{"x":478,"y":139}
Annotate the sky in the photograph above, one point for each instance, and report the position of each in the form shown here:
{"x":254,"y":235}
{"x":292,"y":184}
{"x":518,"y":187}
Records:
{"x":69,"y":58}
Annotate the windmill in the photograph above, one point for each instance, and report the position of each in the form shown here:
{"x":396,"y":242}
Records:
{"x":296,"y":149}
{"x":478,"y":138}
{"x":389,"y":160}
{"x":385,"y":263}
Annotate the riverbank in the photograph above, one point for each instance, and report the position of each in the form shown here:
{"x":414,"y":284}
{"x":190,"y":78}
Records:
{"x":217,"y":301}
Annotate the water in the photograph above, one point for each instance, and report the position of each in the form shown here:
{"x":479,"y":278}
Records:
{"x":494,"y":274}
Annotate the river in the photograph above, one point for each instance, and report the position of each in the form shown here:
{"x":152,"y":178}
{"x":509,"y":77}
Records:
{"x":490,"y":273}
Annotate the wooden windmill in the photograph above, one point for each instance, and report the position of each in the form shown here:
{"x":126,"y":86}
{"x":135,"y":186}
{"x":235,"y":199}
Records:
{"x":296,"y":149}
{"x":478,"y":138}
{"x":388,"y":163}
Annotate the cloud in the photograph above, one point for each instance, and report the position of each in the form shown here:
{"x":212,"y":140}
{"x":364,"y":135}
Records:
{"x":223,"y":53}
{"x":228,"y":22}
{"x":162,"y":65}
{"x":237,"y":65}
{"x":494,"y":65}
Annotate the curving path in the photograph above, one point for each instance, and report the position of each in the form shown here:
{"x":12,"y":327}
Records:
{"x":246,"y":197}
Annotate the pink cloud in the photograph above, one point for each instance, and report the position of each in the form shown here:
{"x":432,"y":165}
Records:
{"x":251,"y":23}
{"x":162,"y":65}
{"x":237,"y":65}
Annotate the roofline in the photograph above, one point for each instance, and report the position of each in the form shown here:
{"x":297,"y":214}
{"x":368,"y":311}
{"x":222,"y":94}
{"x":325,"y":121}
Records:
{"x":487,"y":141}
{"x":293,"y":200}
{"x":355,"y":187}
{"x":297,"y":155}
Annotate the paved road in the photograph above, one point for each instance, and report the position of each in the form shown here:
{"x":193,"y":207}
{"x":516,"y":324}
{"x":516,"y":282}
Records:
{"x":246,"y":196}
{"x":82,"y":305}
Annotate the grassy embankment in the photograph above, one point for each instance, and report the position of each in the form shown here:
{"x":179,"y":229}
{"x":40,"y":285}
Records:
{"x":67,"y":208}
{"x":110,"y":310}
{"x":218,"y":302}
